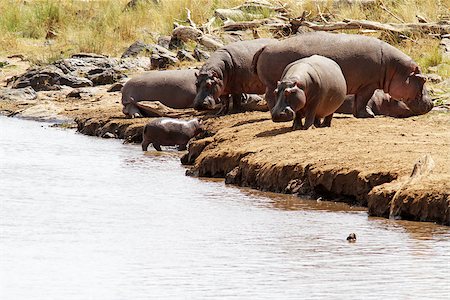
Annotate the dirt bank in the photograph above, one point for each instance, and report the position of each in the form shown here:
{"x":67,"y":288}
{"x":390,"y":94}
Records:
{"x":368,"y":162}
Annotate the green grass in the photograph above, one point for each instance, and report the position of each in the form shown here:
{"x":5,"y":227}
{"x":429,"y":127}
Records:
{"x":105,"y":27}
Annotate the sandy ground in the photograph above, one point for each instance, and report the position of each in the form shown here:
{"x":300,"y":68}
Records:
{"x":363,"y":161}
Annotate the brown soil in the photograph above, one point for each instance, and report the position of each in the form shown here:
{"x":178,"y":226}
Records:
{"x":362,"y":161}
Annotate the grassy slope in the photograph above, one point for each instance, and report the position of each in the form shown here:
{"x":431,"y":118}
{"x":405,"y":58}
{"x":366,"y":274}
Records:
{"x":104,"y":26}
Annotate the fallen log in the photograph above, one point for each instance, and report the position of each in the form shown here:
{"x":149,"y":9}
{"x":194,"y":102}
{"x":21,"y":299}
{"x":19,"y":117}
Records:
{"x":425,"y":28}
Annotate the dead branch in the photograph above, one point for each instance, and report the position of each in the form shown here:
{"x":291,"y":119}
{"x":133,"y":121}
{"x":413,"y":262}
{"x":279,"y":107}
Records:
{"x":425,"y":28}
{"x":189,"y":20}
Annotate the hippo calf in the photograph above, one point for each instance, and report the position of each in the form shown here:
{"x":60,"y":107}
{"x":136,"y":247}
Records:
{"x":310,"y":88}
{"x":169,"y":132}
{"x":173,"y":88}
{"x":366,"y":62}
{"x":383,"y":104}
{"x":229,"y":72}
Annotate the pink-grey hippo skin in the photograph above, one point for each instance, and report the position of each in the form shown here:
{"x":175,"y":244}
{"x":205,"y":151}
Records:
{"x":311,"y":88}
{"x":173,"y":88}
{"x":383,"y":104}
{"x":227,"y":72}
{"x":366,"y":62}
{"x":169,"y":132}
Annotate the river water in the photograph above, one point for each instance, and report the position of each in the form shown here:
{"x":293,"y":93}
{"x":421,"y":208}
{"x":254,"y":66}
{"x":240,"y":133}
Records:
{"x":87,"y":218}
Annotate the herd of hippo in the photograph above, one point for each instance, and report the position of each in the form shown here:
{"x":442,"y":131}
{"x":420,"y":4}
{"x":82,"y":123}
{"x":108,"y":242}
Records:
{"x":309,"y":76}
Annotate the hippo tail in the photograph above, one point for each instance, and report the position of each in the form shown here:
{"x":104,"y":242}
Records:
{"x":255,"y":60}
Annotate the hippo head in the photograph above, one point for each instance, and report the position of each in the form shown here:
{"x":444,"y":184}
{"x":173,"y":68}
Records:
{"x":209,"y":88}
{"x":408,"y":85}
{"x":198,"y":126}
{"x":291,"y":98}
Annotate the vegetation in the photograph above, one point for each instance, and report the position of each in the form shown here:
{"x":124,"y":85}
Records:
{"x":47,"y":30}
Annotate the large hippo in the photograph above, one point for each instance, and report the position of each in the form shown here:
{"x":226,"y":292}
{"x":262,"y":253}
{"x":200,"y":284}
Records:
{"x":310,"y":88}
{"x":229,"y":72}
{"x":173,"y":88}
{"x":384,"y":105}
{"x":169,"y":132}
{"x":367,"y":64}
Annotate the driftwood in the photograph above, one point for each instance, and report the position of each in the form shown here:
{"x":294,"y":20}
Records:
{"x":425,"y":28}
{"x":270,"y":23}
{"x":157,"y":109}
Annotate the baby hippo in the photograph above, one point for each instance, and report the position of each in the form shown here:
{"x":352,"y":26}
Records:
{"x":169,"y":132}
{"x":312,"y":88}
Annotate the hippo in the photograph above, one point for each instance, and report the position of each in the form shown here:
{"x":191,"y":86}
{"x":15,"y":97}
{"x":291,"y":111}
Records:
{"x":383,"y":104}
{"x":170,"y":132}
{"x":229,"y":72}
{"x":310,"y":88}
{"x":366,"y":62}
{"x":173,"y":88}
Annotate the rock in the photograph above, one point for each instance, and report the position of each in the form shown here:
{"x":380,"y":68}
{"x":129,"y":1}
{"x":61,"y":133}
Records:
{"x":160,"y":57}
{"x":195,"y":149}
{"x":51,"y":35}
{"x":22,"y":94}
{"x":48,"y":78}
{"x":108,"y":135}
{"x":445,"y":48}
{"x":233,"y":177}
{"x":200,"y":55}
{"x":88,"y":55}
{"x":210,"y":43}
{"x":434,"y":78}
{"x":162,"y":61}
{"x":136,"y":63}
{"x":47,"y":111}
{"x":164,"y":41}
{"x":183,"y":55}
{"x":116,"y":87}
{"x":186,"y":33}
{"x":82,"y":92}
{"x":254,"y":103}
{"x":108,"y":76}
{"x":135,"y":49}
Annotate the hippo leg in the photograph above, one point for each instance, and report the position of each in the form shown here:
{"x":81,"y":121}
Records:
{"x":317,"y":122}
{"x":270,"y":97}
{"x":182,"y":147}
{"x":145,"y":144}
{"x":132,"y":111}
{"x":157,"y":147}
{"x":297,"y":122}
{"x":309,"y":119}
{"x":327,"y":121}
{"x":361,"y":109}
{"x":225,"y":101}
{"x":237,"y":100}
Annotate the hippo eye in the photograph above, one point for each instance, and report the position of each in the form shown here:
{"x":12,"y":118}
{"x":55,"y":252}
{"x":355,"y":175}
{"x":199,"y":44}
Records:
{"x":275,"y":91}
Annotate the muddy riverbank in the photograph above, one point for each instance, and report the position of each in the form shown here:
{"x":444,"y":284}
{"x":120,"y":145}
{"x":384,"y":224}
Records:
{"x":368,"y":162}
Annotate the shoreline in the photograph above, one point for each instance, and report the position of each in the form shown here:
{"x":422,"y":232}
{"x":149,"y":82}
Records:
{"x":368,"y":162}
{"x":262,"y":163}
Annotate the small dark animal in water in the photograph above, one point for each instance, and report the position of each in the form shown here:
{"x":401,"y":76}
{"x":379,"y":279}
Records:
{"x":351,"y":238}
{"x":169,"y":132}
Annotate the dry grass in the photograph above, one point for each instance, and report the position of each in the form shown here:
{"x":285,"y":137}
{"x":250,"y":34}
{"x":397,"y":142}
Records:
{"x":105,"y":27}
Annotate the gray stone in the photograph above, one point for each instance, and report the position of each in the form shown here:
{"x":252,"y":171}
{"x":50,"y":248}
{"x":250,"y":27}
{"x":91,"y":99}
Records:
{"x":22,"y":94}
{"x":184,"y":55}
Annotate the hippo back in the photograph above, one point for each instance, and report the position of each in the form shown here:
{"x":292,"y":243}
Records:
{"x":242,"y":78}
{"x":358,"y":56}
{"x":173,"y":88}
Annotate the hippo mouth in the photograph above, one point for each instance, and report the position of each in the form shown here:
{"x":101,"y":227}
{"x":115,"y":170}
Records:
{"x":285,"y":115}
{"x":207,"y":103}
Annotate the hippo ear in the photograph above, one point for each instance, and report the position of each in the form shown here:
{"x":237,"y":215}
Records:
{"x":421,"y":77}
{"x":196,"y":74}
